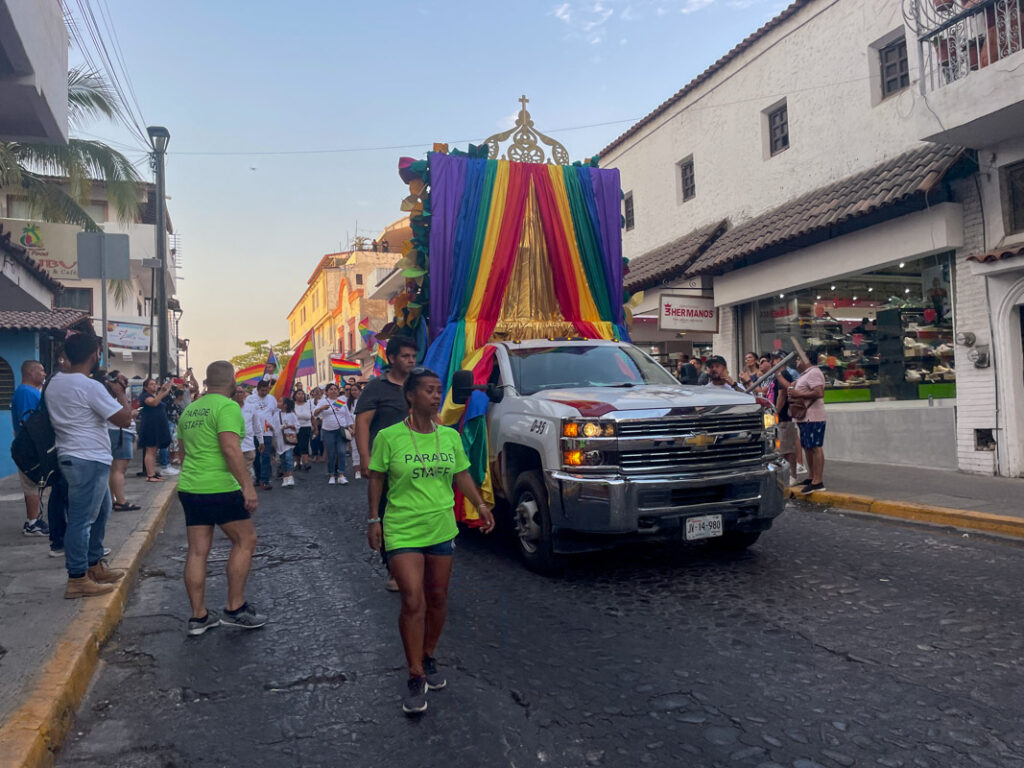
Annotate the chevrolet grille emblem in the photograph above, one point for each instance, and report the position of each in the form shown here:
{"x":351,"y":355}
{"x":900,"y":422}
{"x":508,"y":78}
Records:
{"x":700,"y":440}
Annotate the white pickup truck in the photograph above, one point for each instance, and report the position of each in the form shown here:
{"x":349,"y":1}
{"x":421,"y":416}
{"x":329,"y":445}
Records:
{"x":593,"y":444}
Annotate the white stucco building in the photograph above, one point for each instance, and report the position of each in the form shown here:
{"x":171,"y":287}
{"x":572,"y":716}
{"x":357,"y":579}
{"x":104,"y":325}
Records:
{"x":852,"y":175}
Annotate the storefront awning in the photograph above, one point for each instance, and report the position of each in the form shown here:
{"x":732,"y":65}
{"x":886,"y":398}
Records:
{"x":669,"y":261}
{"x":894,"y":188}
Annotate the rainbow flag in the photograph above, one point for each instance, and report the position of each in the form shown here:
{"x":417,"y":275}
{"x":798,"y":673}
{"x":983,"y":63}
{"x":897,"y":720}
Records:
{"x":249,"y":376}
{"x":283,"y":386}
{"x":369,"y":337}
{"x":307,"y":358}
{"x":380,"y":359}
{"x":342,"y":367}
{"x":272,"y":360}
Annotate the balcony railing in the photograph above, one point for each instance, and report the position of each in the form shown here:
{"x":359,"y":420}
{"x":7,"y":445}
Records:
{"x":958,"y":37}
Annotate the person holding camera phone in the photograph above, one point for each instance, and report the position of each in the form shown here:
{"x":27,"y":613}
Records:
{"x":154,"y":429}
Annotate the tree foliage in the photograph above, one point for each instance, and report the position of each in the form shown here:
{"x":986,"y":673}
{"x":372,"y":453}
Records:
{"x":259,"y":351}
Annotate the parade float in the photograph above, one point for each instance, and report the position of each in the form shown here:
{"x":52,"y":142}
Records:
{"x":518,"y":255}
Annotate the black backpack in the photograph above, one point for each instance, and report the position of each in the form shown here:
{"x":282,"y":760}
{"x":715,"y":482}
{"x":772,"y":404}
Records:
{"x":34,"y":449}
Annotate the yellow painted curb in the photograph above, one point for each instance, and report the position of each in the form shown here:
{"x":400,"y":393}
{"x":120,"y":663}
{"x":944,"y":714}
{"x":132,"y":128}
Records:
{"x":921,"y":513}
{"x":31,"y":734}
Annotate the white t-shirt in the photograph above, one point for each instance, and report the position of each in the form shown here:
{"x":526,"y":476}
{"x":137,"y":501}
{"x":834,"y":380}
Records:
{"x":79,"y":409}
{"x":264,"y":408}
{"x":336,"y":416}
{"x":252,"y":428}
{"x":304,"y":413}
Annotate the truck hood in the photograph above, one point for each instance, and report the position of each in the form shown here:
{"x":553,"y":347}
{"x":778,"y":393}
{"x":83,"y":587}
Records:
{"x":599,"y":401}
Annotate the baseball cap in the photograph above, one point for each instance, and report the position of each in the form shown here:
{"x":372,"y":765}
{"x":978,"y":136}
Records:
{"x":716,"y":359}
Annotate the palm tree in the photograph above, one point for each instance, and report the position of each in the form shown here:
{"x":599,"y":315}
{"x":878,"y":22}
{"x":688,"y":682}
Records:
{"x":32,"y":166}
{"x":81,"y":162}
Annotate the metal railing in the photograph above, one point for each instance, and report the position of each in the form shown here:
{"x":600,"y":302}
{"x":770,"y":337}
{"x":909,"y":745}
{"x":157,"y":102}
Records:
{"x":957,"y":37}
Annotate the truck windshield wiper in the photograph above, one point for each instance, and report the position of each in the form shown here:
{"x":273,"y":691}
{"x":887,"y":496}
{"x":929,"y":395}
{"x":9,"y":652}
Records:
{"x":625,"y":384}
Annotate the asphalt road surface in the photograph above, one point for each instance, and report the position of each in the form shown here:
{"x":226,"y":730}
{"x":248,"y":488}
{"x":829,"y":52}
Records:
{"x":835,"y":641}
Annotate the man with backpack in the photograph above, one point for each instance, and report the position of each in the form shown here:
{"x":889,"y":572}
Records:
{"x":80,"y":408}
{"x":25,"y":400}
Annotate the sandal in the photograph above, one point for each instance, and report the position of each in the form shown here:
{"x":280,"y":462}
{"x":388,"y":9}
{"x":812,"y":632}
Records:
{"x":126,"y":506}
{"x":154,"y":479}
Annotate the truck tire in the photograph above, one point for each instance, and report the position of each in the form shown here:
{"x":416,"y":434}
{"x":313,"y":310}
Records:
{"x":736,"y":541}
{"x":532,"y":523}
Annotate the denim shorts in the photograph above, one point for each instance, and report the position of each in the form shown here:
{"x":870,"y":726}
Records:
{"x":442,"y":549}
{"x":121,"y":443}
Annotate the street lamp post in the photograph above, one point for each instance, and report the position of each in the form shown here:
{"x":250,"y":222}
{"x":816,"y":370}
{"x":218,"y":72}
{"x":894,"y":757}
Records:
{"x":160,"y":137}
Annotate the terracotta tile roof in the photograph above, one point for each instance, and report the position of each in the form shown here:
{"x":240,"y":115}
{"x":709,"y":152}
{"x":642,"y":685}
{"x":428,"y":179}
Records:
{"x":44,"y":320}
{"x":896,"y":185}
{"x":20,"y":255}
{"x":997,"y":254}
{"x":708,"y":73}
{"x":671,"y":260}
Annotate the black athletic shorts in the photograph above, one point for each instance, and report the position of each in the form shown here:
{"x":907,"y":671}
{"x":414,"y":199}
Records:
{"x":213,"y":508}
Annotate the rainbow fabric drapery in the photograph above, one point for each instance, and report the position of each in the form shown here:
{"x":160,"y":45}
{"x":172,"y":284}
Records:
{"x":516,"y":251}
{"x":495,"y":220}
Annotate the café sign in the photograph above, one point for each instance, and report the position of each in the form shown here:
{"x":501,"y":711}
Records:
{"x":53,"y":246}
{"x":687,"y":313}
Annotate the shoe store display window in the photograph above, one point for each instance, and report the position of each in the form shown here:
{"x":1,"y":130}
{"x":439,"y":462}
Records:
{"x":879,"y":336}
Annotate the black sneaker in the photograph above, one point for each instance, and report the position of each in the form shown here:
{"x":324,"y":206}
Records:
{"x":35,"y":528}
{"x":245,"y":617}
{"x":811,"y":488}
{"x":198,"y":626}
{"x":435,"y":678}
{"x":415,"y":701}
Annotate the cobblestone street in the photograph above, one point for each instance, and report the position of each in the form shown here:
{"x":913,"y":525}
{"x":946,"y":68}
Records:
{"x":835,"y":641}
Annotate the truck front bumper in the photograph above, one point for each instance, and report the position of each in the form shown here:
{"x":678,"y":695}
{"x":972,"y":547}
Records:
{"x":585,"y":508}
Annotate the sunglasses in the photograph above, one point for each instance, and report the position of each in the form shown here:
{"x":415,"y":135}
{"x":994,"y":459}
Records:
{"x":421,"y":371}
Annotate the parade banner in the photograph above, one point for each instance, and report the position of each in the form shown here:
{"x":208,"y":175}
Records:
{"x":53,"y":246}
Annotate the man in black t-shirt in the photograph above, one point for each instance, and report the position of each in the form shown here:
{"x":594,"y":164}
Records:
{"x":381,"y":405}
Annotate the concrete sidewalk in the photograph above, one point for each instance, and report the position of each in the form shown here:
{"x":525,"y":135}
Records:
{"x":49,"y":645}
{"x":971,"y":502}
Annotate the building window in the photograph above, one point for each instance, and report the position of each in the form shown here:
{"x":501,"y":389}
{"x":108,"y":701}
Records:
{"x":895,"y":67}
{"x":359,"y":279}
{"x":1012,"y":182}
{"x":6,"y":385}
{"x":75,"y":298}
{"x":778,"y":130}
{"x":687,"y":179}
{"x":628,"y":209}
{"x":303,"y":314}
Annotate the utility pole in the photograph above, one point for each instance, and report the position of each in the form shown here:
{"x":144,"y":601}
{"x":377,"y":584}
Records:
{"x":160,"y":137}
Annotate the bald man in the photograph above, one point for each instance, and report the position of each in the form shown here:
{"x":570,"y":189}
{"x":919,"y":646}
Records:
{"x":216,"y":489}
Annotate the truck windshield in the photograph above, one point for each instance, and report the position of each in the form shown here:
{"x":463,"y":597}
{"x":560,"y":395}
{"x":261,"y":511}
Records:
{"x":559,"y":367}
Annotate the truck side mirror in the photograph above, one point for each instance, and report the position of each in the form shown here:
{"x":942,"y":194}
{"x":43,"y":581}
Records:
{"x":462,"y":387}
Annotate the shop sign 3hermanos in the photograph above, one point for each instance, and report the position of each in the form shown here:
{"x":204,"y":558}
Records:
{"x":687,"y":313}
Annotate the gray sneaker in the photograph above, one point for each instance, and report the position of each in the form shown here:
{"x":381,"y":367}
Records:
{"x":435,"y":678}
{"x":415,"y":701}
{"x":245,"y":617}
{"x":198,"y":626}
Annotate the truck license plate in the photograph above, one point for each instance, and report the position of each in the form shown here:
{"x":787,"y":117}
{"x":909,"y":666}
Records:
{"x":704,"y":527}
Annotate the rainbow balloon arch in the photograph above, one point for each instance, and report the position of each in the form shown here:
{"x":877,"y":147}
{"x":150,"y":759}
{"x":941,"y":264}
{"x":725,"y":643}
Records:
{"x":507,"y":250}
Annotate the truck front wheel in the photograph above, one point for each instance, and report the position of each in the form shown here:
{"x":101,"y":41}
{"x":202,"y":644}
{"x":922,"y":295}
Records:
{"x":533,"y":522}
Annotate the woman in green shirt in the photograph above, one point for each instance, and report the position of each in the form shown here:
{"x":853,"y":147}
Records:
{"x":420,"y":460}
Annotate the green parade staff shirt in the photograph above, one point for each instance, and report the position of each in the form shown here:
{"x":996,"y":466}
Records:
{"x":205,"y":469}
{"x":421,"y":502}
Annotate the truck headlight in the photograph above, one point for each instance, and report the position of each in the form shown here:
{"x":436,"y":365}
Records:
{"x":582,"y":458}
{"x":770,"y":420}
{"x":588,"y":428}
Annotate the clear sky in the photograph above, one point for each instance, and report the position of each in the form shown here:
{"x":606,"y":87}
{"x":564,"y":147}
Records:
{"x":261,"y":77}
